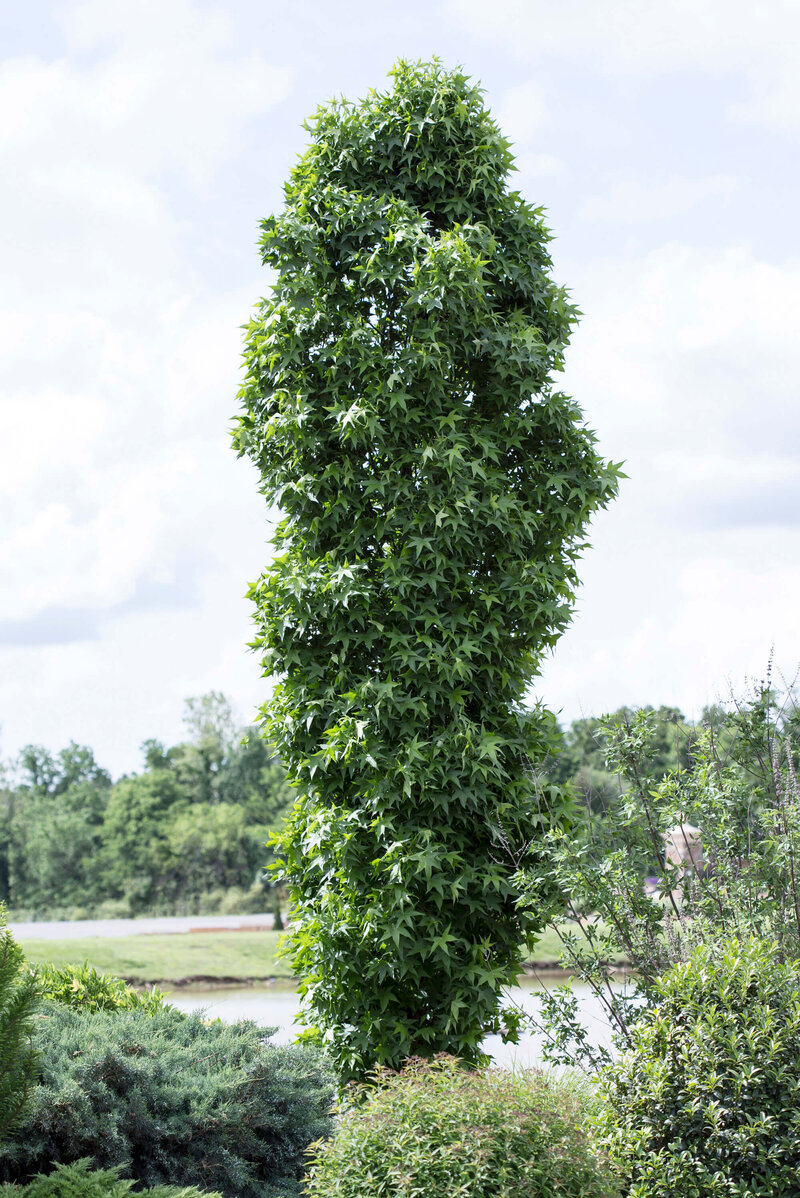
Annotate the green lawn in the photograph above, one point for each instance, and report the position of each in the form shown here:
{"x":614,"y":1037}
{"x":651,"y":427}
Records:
{"x":174,"y":958}
{"x":197,"y":955}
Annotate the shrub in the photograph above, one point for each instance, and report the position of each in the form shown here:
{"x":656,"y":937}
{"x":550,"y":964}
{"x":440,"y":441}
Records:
{"x":171,"y":1098}
{"x":84,"y":989}
{"x":706,"y":1102}
{"x":436,"y":1129}
{"x":740,"y":788}
{"x":81,"y":1181}
{"x":18,"y":997}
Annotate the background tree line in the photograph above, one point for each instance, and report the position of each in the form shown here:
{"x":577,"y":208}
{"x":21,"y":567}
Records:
{"x":188,"y":833}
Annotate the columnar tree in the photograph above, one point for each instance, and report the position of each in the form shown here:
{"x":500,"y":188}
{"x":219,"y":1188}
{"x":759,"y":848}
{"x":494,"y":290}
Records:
{"x":435,"y":489}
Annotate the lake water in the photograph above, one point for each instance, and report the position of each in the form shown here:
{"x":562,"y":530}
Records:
{"x":277,"y":1005}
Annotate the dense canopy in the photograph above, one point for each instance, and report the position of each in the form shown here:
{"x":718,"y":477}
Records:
{"x":435,"y":489}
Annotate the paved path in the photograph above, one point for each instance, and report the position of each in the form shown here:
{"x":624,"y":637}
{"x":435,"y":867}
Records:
{"x":77,"y":929}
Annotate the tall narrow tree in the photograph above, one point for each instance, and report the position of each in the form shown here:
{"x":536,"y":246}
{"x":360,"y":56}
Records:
{"x":435,"y":491}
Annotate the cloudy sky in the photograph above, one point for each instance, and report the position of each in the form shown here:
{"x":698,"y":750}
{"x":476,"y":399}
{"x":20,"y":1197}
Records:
{"x":141,"y":141}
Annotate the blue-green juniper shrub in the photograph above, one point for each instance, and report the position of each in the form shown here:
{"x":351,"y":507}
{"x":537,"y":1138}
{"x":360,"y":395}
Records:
{"x":171,"y":1098}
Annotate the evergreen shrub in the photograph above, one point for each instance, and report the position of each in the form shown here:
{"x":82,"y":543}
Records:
{"x":81,"y":1181}
{"x":171,"y":1098}
{"x":18,"y":999}
{"x":706,"y":1102}
{"x":437,"y":1129}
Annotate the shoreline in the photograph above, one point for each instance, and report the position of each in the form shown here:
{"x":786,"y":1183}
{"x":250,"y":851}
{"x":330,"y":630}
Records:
{"x":548,"y":971}
{"x":230,"y":957}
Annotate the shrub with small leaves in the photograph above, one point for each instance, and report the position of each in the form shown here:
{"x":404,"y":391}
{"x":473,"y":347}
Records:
{"x":438,"y":1129}
{"x":171,"y":1098}
{"x":706,"y":1102}
{"x":84,"y":989}
{"x":81,"y":1181}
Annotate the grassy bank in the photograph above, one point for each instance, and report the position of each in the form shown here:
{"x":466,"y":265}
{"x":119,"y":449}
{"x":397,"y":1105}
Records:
{"x":194,"y":956}
{"x":198,"y":956}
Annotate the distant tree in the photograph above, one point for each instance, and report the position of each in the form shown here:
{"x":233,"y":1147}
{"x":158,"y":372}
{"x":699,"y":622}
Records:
{"x":583,"y":759}
{"x":42,"y":773}
{"x":77,"y":765}
{"x":7,"y":797}
{"x":214,"y":846}
{"x":138,"y":861}
{"x":201,"y":759}
{"x":69,"y":839}
{"x":436,"y":489}
{"x":254,"y":778}
{"x":56,"y":841}
{"x":156,"y":755}
{"x":37,"y":768}
{"x":209,"y":719}
{"x":53,"y":818}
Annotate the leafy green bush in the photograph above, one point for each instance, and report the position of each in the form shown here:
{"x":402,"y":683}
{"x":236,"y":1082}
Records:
{"x":18,"y":998}
{"x":171,"y":1098}
{"x":81,"y":1181}
{"x":436,"y":1129}
{"x":706,"y":1102}
{"x":740,"y":788}
{"x":84,"y":989}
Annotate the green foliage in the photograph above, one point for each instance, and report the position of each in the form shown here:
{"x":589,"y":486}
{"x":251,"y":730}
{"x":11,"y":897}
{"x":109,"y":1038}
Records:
{"x":582,"y":758}
{"x":44,"y":774}
{"x":436,"y":489}
{"x":50,"y":820}
{"x":137,"y":859}
{"x":741,"y":791}
{"x":437,"y":1129}
{"x":195,"y":821}
{"x":167,"y":1098}
{"x":81,"y":1181}
{"x":84,"y":989}
{"x":210,"y":842}
{"x":18,"y":1000}
{"x":705,"y":1102}
{"x":669,"y":745}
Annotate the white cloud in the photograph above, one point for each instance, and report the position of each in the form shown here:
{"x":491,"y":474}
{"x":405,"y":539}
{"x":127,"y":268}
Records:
{"x":522,"y":112}
{"x":147,"y":87}
{"x":686,"y":363}
{"x":118,"y":363}
{"x":688,"y":348}
{"x":627,"y":37}
{"x":129,"y":682}
{"x":666,"y":616}
{"x":127,"y":529}
{"x":533,"y":166}
{"x":631,"y":201}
